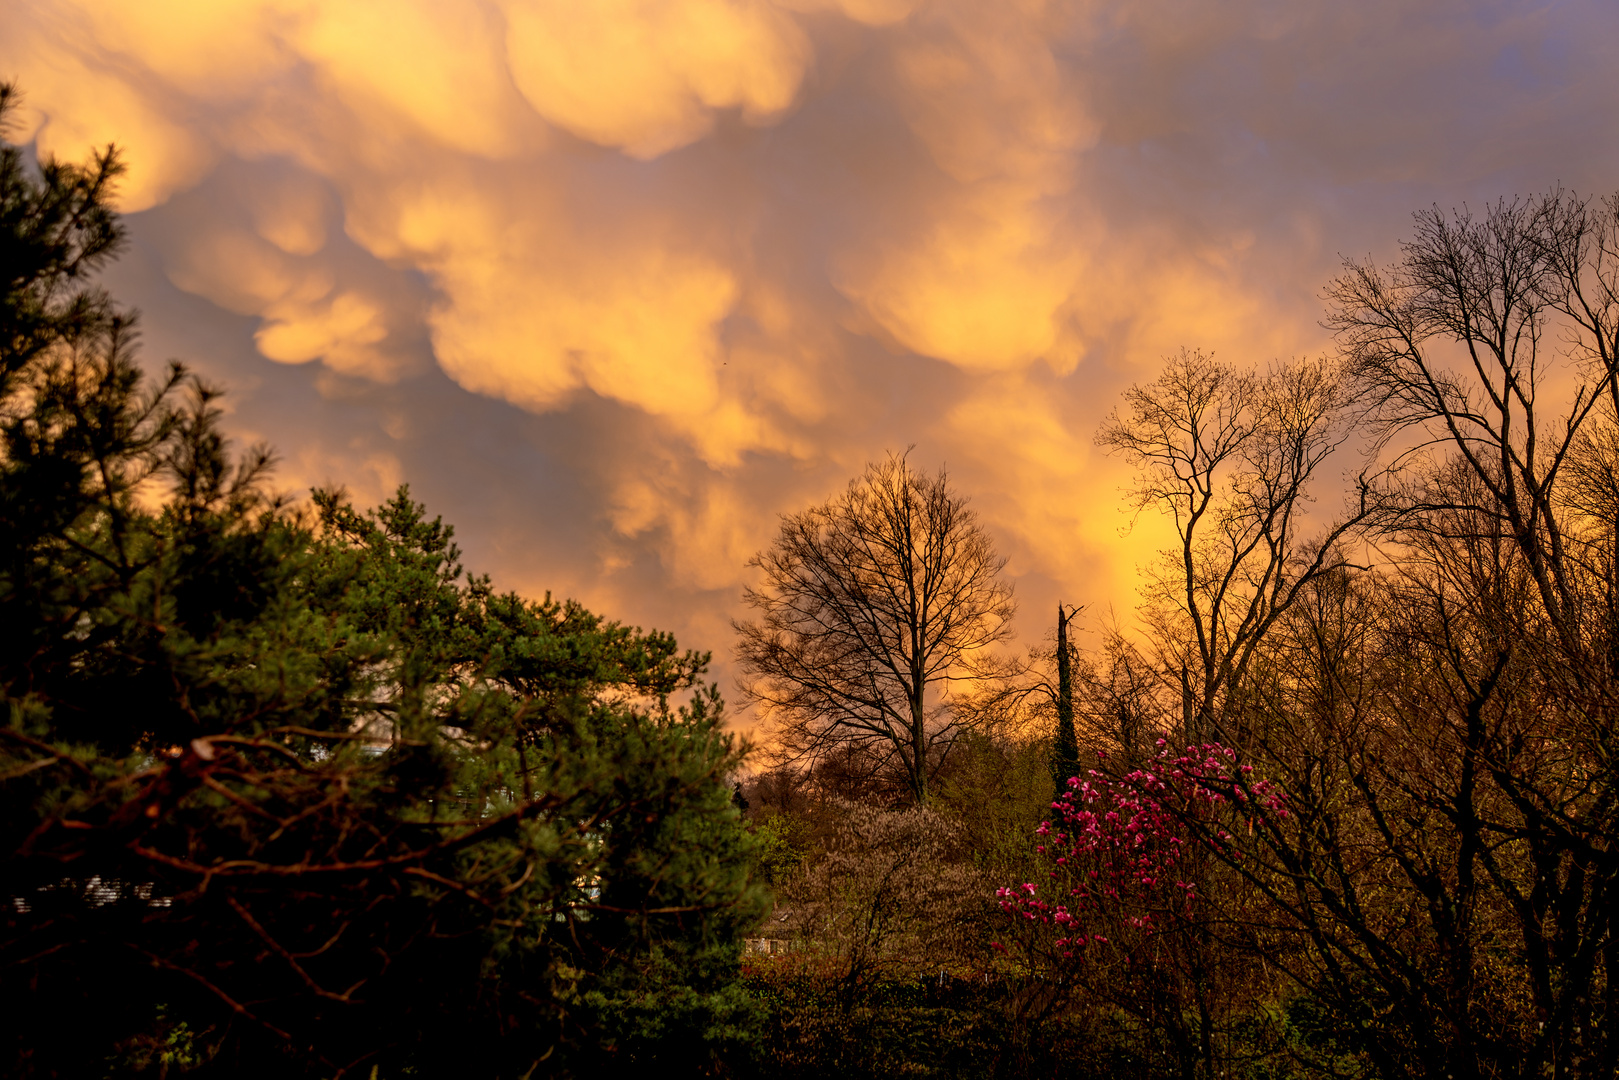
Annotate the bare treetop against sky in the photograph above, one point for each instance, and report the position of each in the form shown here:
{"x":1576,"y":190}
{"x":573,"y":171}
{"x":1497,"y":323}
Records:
{"x":612,"y":283}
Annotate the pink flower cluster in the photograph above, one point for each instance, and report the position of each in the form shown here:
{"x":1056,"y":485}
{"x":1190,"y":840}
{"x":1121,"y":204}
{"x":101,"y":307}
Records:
{"x":1117,"y":845}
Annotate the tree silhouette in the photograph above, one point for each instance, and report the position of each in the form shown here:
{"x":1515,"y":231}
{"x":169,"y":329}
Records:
{"x":870,"y":602}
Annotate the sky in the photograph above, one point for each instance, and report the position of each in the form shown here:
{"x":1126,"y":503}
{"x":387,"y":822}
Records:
{"x":613,"y":283}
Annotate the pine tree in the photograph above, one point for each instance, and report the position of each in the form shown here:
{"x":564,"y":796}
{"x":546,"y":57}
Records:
{"x":286,"y":794}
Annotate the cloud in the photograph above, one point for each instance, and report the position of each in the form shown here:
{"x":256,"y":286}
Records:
{"x":613,"y":284}
{"x":647,"y":75}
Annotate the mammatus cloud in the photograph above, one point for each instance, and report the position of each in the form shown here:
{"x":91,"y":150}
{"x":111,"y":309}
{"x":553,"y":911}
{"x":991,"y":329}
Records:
{"x":614,"y":283}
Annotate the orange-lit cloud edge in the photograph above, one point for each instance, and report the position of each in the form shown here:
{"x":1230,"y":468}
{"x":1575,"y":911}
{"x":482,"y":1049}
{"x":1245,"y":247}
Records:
{"x":613,"y":284}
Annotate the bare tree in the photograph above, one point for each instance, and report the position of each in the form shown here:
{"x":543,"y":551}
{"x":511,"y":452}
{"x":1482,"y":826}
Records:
{"x":1442,"y":883}
{"x":871,"y":605}
{"x":1230,"y":455}
{"x":1483,"y":285}
{"x":1503,"y":512}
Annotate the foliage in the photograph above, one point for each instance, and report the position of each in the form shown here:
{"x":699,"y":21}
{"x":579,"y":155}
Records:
{"x":1134,"y":911}
{"x":920,"y":1027}
{"x":339,"y":808}
{"x":995,"y":789}
{"x":783,"y":844}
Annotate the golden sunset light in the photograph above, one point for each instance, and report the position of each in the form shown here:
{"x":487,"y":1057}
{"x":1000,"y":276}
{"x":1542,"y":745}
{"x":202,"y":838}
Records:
{"x":809,"y":539}
{"x":612,"y":284}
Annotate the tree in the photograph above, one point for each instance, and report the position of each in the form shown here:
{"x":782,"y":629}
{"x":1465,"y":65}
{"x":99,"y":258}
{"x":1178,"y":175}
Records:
{"x":1506,"y":592}
{"x":1230,"y":457}
{"x":284,"y":797}
{"x":1065,"y":743}
{"x":1493,"y":287}
{"x":1438,"y":897}
{"x":871,"y":604}
{"x":54,"y":234}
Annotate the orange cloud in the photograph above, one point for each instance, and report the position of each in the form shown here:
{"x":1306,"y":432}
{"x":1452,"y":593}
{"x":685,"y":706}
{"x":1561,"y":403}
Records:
{"x":649,"y":272}
{"x":646,"y":75}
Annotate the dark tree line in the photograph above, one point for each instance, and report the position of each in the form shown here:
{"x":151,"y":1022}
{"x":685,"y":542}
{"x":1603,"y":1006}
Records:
{"x":1404,"y":701}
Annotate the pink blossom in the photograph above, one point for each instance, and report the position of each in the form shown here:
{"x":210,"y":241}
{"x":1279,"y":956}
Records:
{"x":1115,"y":844}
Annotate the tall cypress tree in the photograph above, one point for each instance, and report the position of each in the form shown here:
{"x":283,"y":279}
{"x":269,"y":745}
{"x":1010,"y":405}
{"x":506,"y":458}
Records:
{"x":1065,"y":744}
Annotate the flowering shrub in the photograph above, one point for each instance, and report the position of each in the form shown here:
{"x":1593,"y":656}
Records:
{"x":1120,"y":849}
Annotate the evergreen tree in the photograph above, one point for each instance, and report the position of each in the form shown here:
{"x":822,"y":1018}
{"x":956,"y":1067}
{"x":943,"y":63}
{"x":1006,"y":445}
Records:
{"x":1065,"y":744}
{"x":287,"y":794}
